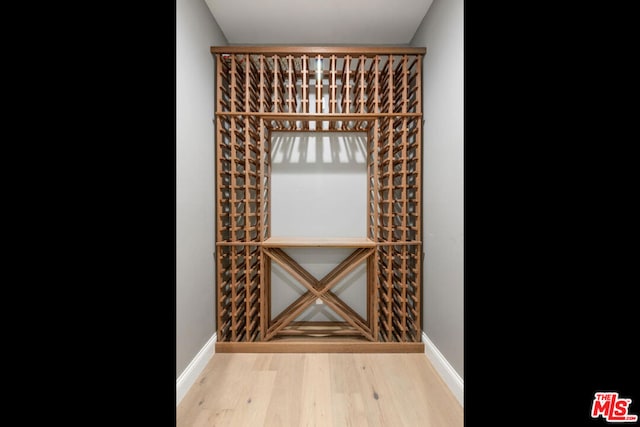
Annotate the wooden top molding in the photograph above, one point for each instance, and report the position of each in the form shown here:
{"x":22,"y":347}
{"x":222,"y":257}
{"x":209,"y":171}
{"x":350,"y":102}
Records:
{"x":320,"y":50}
{"x":318,"y":242}
{"x":316,"y":116}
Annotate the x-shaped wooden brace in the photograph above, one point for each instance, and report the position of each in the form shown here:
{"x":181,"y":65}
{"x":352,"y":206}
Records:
{"x":318,"y":289}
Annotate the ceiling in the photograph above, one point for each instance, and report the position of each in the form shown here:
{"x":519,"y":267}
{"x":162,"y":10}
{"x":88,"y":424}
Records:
{"x":322,"y":22}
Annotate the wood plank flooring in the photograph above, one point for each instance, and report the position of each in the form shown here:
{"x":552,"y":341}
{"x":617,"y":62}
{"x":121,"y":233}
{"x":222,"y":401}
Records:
{"x":319,"y":389}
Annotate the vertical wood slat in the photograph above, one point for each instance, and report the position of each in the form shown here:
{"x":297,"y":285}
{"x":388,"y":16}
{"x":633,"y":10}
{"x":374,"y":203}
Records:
{"x":397,"y":79}
{"x":234,"y":90}
{"x":291,"y":86}
{"x":361,"y":97}
{"x":369,"y":275}
{"x":247,"y":149}
{"x":253,"y":89}
{"x":376,"y":181}
{"x":304,"y":89}
{"x":276,"y":80}
{"x":223,"y":76}
{"x":304,"y":85}
{"x":419,"y":168}
{"x":373,"y":291}
{"x":268,"y":183}
{"x":391,"y":83}
{"x":373,"y":81}
{"x":219,"y":140}
{"x":262,"y":197}
{"x":251,"y":210}
{"x":389,"y":187}
{"x":376,"y":84}
{"x":247,"y":201}
{"x":234,"y":322}
{"x":262,"y":214}
{"x":232,"y":224}
{"x":247,"y":291}
{"x":218,"y":212}
{"x":405,"y":143}
{"x":370,"y":165}
{"x":383,"y":186}
{"x":405,"y":213}
{"x":390,"y":201}
{"x":247,"y":84}
{"x":376,"y":193}
{"x":419,"y":151}
{"x":417,"y":294}
{"x":278,"y":89}
{"x":359,"y":90}
{"x":404,"y":181}
{"x":232,"y":186}
{"x":333,"y":87}
{"x":262,"y":87}
{"x":405,"y":84}
{"x":346,"y":86}
{"x":403,"y":293}
{"x":233,"y":213}
{"x":220,"y":311}
{"x":239,"y":100}
{"x":319,"y":77}
{"x":384,"y":86}
{"x":267,"y":292}
{"x":266,"y":86}
{"x":219,"y":182}
{"x":389,"y":293}
{"x":255,"y":295}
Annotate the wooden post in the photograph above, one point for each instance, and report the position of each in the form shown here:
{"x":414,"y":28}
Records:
{"x":333,"y":86}
{"x":319,"y":77}
{"x":304,"y":89}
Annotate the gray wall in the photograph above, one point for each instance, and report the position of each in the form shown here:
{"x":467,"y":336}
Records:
{"x":441,"y":32}
{"x":196,"y":31}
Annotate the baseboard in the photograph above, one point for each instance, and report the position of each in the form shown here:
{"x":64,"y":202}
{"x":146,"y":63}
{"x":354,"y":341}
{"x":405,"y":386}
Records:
{"x":188,"y":377}
{"x":446,"y":371}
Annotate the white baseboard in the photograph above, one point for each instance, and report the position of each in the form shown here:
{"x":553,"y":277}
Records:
{"x":197,"y":365}
{"x":446,"y":371}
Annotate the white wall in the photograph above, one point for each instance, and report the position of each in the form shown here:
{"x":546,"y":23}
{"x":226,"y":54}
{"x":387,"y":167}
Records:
{"x":441,"y":32}
{"x":318,"y":189}
{"x":196,"y":32}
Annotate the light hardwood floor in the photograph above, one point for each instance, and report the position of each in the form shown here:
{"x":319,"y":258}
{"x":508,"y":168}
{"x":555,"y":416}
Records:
{"x":319,"y":389}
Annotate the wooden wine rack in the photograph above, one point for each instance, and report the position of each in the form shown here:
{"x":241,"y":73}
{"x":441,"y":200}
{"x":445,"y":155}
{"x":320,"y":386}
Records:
{"x":265,"y":89}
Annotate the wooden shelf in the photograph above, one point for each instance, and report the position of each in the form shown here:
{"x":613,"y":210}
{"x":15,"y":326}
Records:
{"x":319,"y":242}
